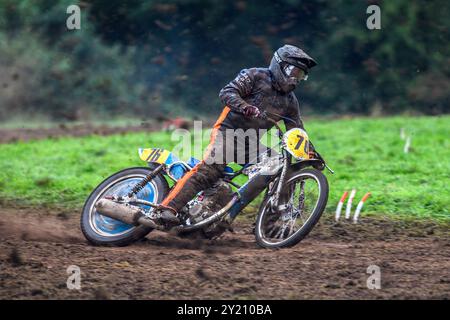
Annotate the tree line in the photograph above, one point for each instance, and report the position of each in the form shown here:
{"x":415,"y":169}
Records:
{"x":152,"y":58}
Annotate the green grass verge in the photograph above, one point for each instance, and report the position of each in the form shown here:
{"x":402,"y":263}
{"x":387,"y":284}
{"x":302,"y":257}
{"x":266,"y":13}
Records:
{"x":367,"y":154}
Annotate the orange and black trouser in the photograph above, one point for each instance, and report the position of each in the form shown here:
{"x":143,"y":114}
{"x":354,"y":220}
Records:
{"x":211,"y":168}
{"x":202,"y":176}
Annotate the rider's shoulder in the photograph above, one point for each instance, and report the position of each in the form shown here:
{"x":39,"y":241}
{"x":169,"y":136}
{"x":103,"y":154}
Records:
{"x":256,"y":73}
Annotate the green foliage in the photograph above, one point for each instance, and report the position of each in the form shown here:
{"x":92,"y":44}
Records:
{"x":47,"y":69}
{"x":391,"y":69}
{"x":145,"y":57}
{"x":367,"y":154}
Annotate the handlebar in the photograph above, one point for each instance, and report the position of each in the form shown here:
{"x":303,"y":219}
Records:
{"x":264,"y":115}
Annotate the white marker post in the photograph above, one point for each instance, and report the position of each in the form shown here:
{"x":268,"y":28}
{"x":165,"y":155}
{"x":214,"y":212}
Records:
{"x":348,"y":209}
{"x":340,"y":204}
{"x":407,"y":145}
{"x":359,"y":207}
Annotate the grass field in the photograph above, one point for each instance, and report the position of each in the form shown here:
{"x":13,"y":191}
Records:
{"x":367,"y":154}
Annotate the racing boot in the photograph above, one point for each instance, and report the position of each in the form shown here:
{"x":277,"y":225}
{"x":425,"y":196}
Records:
{"x":167,"y":218}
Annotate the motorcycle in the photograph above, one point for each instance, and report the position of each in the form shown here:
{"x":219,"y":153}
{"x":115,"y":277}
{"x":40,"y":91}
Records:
{"x":124,"y":207}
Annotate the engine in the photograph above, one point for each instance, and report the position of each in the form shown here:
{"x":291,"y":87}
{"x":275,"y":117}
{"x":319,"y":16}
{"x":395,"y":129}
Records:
{"x":208,"y":202}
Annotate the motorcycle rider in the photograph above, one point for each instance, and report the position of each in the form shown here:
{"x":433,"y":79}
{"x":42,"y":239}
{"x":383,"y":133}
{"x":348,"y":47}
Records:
{"x":253,"y":91}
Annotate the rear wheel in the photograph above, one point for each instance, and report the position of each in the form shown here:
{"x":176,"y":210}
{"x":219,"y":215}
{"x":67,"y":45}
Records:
{"x":307,"y":197}
{"x":101,"y":230}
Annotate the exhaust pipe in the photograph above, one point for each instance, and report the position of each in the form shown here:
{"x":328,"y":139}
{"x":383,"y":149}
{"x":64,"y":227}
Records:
{"x":127,"y":214}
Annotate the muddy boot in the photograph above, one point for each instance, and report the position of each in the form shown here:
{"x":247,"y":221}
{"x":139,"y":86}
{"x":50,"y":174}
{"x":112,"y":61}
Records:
{"x":168,"y":219}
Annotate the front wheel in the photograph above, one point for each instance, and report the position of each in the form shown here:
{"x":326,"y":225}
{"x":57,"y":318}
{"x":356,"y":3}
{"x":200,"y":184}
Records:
{"x":101,"y":230}
{"x":305,"y":196}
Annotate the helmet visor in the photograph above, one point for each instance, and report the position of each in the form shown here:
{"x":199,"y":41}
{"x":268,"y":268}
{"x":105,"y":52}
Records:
{"x":294,"y":72}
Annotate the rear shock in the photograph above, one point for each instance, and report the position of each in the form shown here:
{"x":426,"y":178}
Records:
{"x":141,"y":184}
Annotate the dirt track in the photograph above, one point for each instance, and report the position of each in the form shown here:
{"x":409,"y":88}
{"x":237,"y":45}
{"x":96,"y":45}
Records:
{"x":79,"y":130}
{"x":331,"y":263}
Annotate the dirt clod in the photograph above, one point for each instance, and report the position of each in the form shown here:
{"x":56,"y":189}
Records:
{"x":16,"y":258}
{"x":202,"y":274}
{"x":36,"y":292}
{"x":101,"y":294}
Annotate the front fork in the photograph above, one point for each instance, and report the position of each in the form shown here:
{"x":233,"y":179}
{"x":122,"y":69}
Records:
{"x":274,"y":203}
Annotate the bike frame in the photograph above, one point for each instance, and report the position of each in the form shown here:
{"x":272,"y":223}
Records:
{"x":245,"y":193}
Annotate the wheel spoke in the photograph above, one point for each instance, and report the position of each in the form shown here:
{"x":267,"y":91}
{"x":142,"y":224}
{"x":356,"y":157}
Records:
{"x":301,"y":217}
{"x":281,"y":232}
{"x":291,"y":227}
{"x":272,"y":231}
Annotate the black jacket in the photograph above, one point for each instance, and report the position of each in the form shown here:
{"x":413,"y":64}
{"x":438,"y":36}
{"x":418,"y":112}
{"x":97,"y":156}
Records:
{"x":255,"y":87}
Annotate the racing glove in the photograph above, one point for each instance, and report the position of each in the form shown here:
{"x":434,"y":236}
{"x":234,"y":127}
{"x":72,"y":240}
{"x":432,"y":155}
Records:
{"x":250,"y":111}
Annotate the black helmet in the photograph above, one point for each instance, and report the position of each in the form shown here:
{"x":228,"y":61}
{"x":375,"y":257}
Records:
{"x":289,"y":66}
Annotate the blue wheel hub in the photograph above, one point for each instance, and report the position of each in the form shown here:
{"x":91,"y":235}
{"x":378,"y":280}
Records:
{"x":114,"y":227}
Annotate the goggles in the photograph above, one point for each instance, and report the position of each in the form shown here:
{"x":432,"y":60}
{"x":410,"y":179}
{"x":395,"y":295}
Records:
{"x":290,"y":70}
{"x":295,"y":72}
